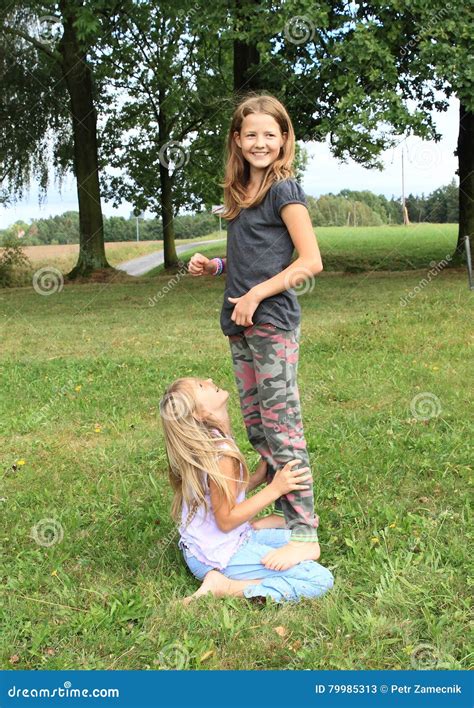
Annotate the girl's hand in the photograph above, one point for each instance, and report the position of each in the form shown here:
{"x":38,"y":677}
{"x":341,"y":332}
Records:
{"x":201,"y":265}
{"x":289,"y":480}
{"x":244,"y":308}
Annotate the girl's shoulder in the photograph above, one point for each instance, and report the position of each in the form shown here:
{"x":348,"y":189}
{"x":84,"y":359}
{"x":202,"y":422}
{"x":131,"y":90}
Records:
{"x":225,"y":441}
{"x":288,"y":185}
{"x":287,"y":191}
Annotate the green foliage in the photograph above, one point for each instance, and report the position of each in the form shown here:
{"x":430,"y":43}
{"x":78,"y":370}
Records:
{"x":12,"y":259}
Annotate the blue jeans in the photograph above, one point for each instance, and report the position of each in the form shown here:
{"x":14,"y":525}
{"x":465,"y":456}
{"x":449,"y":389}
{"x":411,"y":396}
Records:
{"x":306,"y":579}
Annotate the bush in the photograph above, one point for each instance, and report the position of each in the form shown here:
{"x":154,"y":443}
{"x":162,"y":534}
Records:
{"x":12,"y":259}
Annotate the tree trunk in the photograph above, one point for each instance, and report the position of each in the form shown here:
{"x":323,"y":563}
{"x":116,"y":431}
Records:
{"x":78,"y":78}
{"x":245,"y":55}
{"x":169,"y":247}
{"x":465,"y":153}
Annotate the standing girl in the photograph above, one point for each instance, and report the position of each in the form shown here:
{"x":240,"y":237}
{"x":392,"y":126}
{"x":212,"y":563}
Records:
{"x":268,"y":219}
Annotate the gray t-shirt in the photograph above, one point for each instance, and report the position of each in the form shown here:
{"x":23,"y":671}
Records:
{"x":259,"y":246}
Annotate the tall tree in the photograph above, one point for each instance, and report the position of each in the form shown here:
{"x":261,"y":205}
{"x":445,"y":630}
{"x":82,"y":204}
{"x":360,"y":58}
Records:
{"x":64,"y":54}
{"x":168,"y":79}
{"x":430,"y":43}
{"x":32,"y":113}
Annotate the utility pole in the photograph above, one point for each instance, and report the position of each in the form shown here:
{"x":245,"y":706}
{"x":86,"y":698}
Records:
{"x":406,"y":220}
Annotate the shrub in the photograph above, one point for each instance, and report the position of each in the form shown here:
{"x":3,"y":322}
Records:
{"x":12,"y":259}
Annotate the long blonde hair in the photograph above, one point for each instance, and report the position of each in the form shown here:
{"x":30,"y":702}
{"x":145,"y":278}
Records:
{"x":191,"y":449}
{"x":237,"y":169}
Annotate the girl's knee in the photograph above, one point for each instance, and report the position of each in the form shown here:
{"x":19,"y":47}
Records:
{"x":320,"y":577}
{"x":324,"y":578}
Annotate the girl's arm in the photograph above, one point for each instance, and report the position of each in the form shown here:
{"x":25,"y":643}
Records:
{"x":258,"y":476}
{"x":213,"y":265}
{"x":229,"y":516}
{"x":308,"y":263}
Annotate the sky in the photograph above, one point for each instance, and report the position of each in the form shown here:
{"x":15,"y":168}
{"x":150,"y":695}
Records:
{"x":428,"y":165}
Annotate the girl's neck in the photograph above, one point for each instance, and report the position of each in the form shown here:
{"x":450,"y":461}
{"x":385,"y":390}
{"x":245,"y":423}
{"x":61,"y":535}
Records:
{"x":255,"y":180}
{"x":224,"y":423}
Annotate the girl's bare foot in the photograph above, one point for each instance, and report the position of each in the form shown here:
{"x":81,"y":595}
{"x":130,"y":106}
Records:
{"x":272,"y":521}
{"x":218,"y":585}
{"x":294,"y":552}
{"x":214,"y":582}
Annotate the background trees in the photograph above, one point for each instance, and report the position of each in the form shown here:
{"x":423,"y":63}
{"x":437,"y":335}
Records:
{"x":134,"y":98}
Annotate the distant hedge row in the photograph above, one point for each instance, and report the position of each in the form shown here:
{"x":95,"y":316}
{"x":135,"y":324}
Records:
{"x":348,"y":208}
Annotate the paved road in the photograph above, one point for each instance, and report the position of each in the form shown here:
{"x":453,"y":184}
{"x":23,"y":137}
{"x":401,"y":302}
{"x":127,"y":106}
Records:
{"x":140,"y":266}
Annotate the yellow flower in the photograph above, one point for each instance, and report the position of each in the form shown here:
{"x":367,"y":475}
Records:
{"x":54,"y":573}
{"x":408,"y":649}
{"x":21,"y":462}
{"x":435,"y":368}
{"x":375,"y":540}
{"x":98,"y":429}
{"x":78,"y":388}
{"x":392,"y":526}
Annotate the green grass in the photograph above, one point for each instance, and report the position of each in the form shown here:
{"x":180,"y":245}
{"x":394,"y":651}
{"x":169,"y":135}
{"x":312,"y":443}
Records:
{"x":83,"y":371}
{"x":368,"y":248}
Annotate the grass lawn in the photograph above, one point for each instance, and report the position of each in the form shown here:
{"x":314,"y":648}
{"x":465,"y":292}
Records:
{"x":91,"y":575}
{"x":363,"y":248}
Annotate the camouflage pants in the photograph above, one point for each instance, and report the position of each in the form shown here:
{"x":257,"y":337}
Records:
{"x":265,"y":360}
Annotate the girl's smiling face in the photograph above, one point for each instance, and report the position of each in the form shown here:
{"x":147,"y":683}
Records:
{"x":210,"y":398}
{"x":260,"y":139}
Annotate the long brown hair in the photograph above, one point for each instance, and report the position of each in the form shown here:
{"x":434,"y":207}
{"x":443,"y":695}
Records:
{"x":191,"y":449}
{"x":237,"y":169}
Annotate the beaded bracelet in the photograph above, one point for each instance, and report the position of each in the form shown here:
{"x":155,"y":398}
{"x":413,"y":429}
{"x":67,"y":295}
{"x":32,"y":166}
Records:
{"x":220,"y":265}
